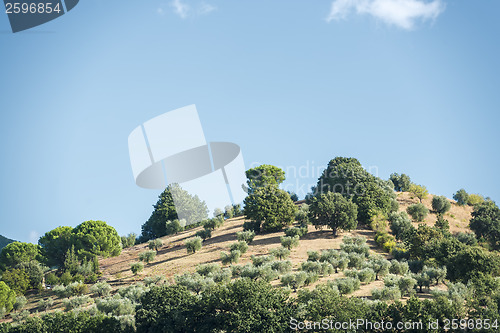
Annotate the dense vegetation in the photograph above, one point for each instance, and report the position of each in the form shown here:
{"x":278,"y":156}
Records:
{"x":457,"y":272}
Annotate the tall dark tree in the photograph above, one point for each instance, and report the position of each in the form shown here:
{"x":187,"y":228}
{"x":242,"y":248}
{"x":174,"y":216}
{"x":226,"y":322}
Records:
{"x":401,"y":182}
{"x":462,"y":197}
{"x":485,"y":222}
{"x":54,"y":245}
{"x":333,"y":210}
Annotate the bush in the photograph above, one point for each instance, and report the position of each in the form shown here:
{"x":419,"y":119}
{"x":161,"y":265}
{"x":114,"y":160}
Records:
{"x":398,"y":267}
{"x":129,"y":240}
{"x":313,"y":256}
{"x":155,"y":244}
{"x":289,"y":242}
{"x":294,"y":280}
{"x":154,"y":280}
{"x":207,"y":269}
{"x":116,"y":306}
{"x":21,"y":316}
{"x":401,"y":226}
{"x":51,"y":279}
{"x":311,"y":267}
{"x":357,"y":240}
{"x":195,"y":282}
{"x":231,"y":258}
{"x":241,"y":246}
{"x":302,"y":215}
{"x":467,"y":238}
{"x":356,"y":260}
{"x":75,"y":302}
{"x":280,"y":252}
{"x":281,"y":266}
{"x":362,"y":249}
{"x":204,"y":234}
{"x":20,"y":303}
{"x":400,"y":253}
{"x":229,"y":212}
{"x":66,"y":278}
{"x":101,"y":289}
{"x":260,"y":260}
{"x":60,"y":291}
{"x":246,"y":236}
{"x":45,"y":304}
{"x":366,"y":275}
{"x":296,"y":231}
{"x":462,"y":197}
{"x":418,"y":212}
{"x":193,"y":244}
{"x":147,"y":256}
{"x":76,"y":288}
{"x":347,"y":285}
{"x":406,"y":285}
{"x":379,"y":265}
{"x":440,"y":204}
{"x":386,"y":294}
{"x":133,"y":292}
{"x":475,"y":199}
{"x":137,"y":267}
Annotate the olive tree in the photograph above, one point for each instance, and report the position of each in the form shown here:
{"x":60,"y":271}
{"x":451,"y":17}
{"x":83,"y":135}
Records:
{"x":333,"y":210}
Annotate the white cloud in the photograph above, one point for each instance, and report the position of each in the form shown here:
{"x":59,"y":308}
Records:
{"x":401,"y":13}
{"x":180,"y":8}
{"x":205,"y":8}
{"x":33,"y":237}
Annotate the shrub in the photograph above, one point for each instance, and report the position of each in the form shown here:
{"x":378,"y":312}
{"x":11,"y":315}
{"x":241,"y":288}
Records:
{"x":386,"y":294}
{"x":311,"y":278}
{"x":327,"y":268}
{"x":153,"y":280}
{"x":207,"y":269}
{"x":60,"y":291}
{"x":21,"y":316}
{"x":406,"y":285}
{"x":347,"y":285}
{"x":75,"y":302}
{"x":45,"y":304}
{"x":302,"y":215}
{"x":355,"y":260}
{"x":401,"y":226}
{"x":116,"y":306}
{"x":366,"y":275}
{"x":311,"y":267}
{"x":294,"y":280}
{"x":133,"y":292}
{"x":193,"y":244}
{"x":195,"y":282}
{"x":229,"y":212}
{"x":129,"y":240}
{"x":379,"y":265}
{"x":221,"y":276}
{"x":155,"y":244}
{"x":51,"y":279}
{"x":356,"y":240}
{"x":435,"y":274}
{"x":231,"y":258}
{"x":440,"y":204}
{"x":66,"y":278}
{"x":260,"y":260}
{"x":20,"y":303}
{"x":467,"y":238}
{"x":204,"y":234}
{"x":419,"y":191}
{"x":398,"y":267}
{"x":422,"y":280}
{"x":77,"y":288}
{"x":418,"y":212}
{"x":355,"y":248}
{"x":137,"y":267}
{"x":400,"y":253}
{"x":241,"y":246}
{"x":246,"y":236}
{"x":296,"y":231}
{"x":289,"y":242}
{"x":475,"y":199}
{"x":280,"y":252}
{"x":313,"y":256}
{"x":281,"y":266}
{"x":101,"y":289}
{"x":147,"y":256}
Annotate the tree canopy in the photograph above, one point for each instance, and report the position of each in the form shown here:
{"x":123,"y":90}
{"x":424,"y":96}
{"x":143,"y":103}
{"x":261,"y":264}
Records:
{"x":264,"y":175}
{"x":54,"y":245}
{"x":18,"y":252}
{"x":333,"y":210}
{"x":98,"y":238}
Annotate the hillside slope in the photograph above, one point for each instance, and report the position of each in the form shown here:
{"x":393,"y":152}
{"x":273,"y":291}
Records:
{"x":4,"y":241}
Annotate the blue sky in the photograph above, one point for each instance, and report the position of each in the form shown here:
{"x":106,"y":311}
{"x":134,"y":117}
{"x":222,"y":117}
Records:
{"x":403,"y":85}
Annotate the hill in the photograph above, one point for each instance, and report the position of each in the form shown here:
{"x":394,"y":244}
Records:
{"x":4,"y":241}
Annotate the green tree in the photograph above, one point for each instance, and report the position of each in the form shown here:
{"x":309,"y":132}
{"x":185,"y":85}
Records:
{"x":16,"y":253}
{"x":34,"y":271}
{"x":472,"y":262}
{"x":270,"y":206}
{"x":418,"y":212}
{"x":129,"y":240}
{"x":485,"y":222}
{"x":147,"y":256}
{"x":401,"y":225}
{"x":401,"y":182}
{"x":7,"y":297}
{"x":155,"y":244}
{"x":475,"y":199}
{"x":71,"y":262}
{"x":462,"y":197}
{"x":193,"y":244}
{"x":419,"y":191}
{"x":98,"y":238}
{"x":168,"y":309}
{"x":164,"y":210}
{"x":263,"y":176}
{"x":54,"y":245}
{"x":440,"y":204}
{"x":136,"y":267}
{"x":17,"y":280}
{"x":247,"y":306}
{"x":333,"y":210}
{"x":289,"y":242}
{"x":420,"y":240}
